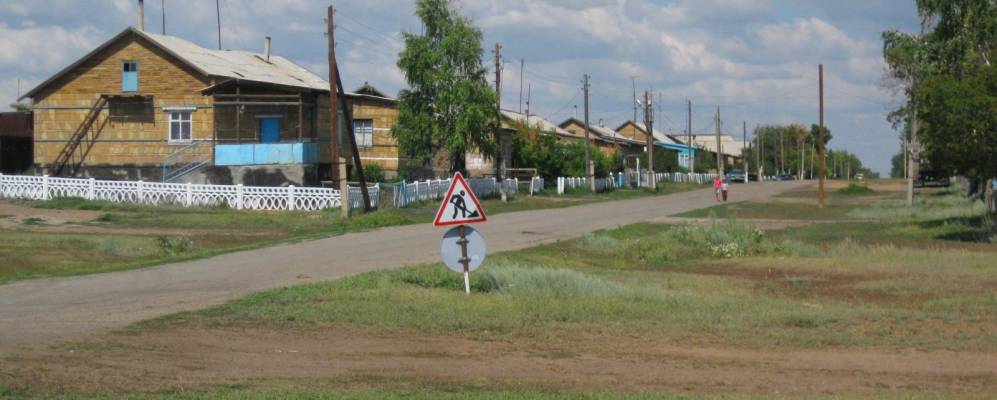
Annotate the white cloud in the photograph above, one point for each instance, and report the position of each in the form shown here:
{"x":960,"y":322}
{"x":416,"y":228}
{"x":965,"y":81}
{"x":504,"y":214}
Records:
{"x":41,"y":47}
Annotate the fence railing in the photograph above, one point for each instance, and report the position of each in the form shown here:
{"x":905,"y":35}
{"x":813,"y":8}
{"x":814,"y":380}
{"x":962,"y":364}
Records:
{"x":632,"y":179}
{"x":406,"y":193}
{"x":180,"y":194}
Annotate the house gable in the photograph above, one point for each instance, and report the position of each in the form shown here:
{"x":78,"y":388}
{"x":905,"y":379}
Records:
{"x":632,"y":131}
{"x":100,"y":72}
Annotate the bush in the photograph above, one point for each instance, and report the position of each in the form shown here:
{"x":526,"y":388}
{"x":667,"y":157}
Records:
{"x":725,"y":240}
{"x":373,"y":173}
{"x":854,"y":189}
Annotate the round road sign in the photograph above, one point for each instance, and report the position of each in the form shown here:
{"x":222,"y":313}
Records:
{"x":450,"y":249}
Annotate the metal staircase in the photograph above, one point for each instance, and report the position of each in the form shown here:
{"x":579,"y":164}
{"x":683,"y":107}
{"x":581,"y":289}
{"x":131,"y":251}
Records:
{"x":72,"y":155}
{"x":186,"y":159}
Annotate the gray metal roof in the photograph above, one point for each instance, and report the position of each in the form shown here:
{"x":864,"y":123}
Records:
{"x":232,"y":64}
{"x":535,"y":120}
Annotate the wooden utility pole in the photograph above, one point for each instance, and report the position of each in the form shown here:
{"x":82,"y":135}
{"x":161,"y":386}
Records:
{"x":720,"y":160}
{"x":589,"y":170}
{"x":820,"y":134}
{"x":348,"y":121}
{"x":689,"y":145}
{"x":758,"y":157}
{"x":633,"y":79}
{"x":744,"y":142}
{"x":914,"y":169}
{"x":333,"y":106}
{"x":522,"y":68}
{"x":218,"y":14}
{"x":652,"y":183}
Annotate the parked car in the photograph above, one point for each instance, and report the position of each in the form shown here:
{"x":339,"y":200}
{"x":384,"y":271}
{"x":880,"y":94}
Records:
{"x":753,"y":177}
{"x":926,"y":178}
{"x":784,"y":177}
{"x":735,"y":175}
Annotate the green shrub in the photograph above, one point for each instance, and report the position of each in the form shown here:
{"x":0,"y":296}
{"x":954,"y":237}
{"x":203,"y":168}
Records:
{"x":558,"y":282}
{"x":725,"y":240}
{"x":372,"y":172}
{"x":174,"y":245}
{"x":854,"y":189}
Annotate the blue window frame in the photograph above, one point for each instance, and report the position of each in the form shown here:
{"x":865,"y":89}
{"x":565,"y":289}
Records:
{"x":129,"y":76}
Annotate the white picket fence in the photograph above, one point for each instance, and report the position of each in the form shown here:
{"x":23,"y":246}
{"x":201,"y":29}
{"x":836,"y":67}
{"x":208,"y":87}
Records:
{"x":620,"y":180}
{"x":180,"y":194}
{"x":406,"y":193}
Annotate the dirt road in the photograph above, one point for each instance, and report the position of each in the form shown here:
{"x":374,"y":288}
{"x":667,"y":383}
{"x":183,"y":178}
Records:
{"x":46,"y":311}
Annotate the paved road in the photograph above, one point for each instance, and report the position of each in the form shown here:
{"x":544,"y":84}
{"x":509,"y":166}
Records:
{"x":46,"y":311}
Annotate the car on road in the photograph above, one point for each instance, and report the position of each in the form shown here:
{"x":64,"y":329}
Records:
{"x":927,"y":177}
{"x":784,"y":177}
{"x":735,"y":175}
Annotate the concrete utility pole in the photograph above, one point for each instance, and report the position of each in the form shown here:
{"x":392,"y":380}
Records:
{"x":589,"y":170}
{"x":744,"y":142}
{"x":500,"y":159}
{"x":633,"y":79}
{"x":689,"y":144}
{"x":333,"y":106}
{"x":914,"y":170}
{"x":820,"y":135}
{"x":522,"y":68}
{"x":720,"y":159}
{"x":652,"y":183}
{"x":218,"y":14}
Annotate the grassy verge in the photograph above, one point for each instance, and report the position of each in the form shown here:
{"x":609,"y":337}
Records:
{"x":128,"y":236}
{"x":724,"y":282}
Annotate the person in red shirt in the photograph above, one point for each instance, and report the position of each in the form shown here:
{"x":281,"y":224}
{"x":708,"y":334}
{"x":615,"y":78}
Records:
{"x":717,"y":184}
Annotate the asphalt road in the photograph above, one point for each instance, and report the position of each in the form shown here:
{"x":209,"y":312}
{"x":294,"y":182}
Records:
{"x":47,"y":311}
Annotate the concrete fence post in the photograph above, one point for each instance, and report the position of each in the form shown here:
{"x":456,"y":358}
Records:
{"x":91,"y":188}
{"x":344,"y":190}
{"x":189,"y":195}
{"x":141,"y":190}
{"x":45,"y":195}
{"x":290,"y":197}
{"x":238,"y":197}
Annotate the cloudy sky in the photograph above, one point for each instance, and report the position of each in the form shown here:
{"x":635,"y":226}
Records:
{"x":755,"y":59}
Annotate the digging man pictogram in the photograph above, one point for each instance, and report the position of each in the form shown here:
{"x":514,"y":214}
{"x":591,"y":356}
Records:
{"x":460,"y":204}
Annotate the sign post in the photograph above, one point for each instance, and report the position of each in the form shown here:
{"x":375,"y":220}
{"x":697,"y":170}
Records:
{"x":460,"y":207}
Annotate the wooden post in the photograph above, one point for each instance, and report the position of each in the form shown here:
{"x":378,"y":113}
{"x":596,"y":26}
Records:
{"x":238,"y":113}
{"x":820,"y":135}
{"x":301,"y":116}
{"x":348,"y":121}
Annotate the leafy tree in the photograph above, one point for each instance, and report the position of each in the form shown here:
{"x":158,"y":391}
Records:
{"x":949,"y":79}
{"x":20,"y":107}
{"x":448,"y":105}
{"x":897,"y":165}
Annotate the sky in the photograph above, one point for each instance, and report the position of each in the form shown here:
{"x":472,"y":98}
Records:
{"x":755,"y":59}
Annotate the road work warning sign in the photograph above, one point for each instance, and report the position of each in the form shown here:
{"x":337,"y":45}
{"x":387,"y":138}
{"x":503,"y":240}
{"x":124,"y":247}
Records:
{"x":460,"y":206}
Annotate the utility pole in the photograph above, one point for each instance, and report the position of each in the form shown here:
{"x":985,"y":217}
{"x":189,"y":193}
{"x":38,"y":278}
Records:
{"x":820,"y":134}
{"x":333,"y":106}
{"x":652,"y":182}
{"x":720,"y":160}
{"x":782,"y":152}
{"x":500,"y":159}
{"x":218,"y":13}
{"x":759,"y":167}
{"x":633,"y":79}
{"x":914,"y":170}
{"x":522,"y":68}
{"x":162,"y":8}
{"x":589,"y":171}
{"x":744,"y":142}
{"x":529,"y":96}
{"x":689,"y":146}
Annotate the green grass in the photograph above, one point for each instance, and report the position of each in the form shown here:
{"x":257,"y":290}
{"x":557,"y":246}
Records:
{"x":773,"y":289}
{"x":462,"y":392}
{"x":205,"y":232}
{"x":775,"y":210}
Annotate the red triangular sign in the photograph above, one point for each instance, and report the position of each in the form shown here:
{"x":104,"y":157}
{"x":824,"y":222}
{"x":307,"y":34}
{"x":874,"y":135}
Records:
{"x":460,"y":205}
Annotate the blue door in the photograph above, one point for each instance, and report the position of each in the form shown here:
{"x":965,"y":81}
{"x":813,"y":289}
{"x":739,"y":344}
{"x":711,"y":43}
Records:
{"x":269,"y":130}
{"x":129,"y":76}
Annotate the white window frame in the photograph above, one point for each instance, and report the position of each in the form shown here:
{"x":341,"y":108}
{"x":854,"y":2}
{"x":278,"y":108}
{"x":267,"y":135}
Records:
{"x":176,"y":116}
{"x":365,"y":138}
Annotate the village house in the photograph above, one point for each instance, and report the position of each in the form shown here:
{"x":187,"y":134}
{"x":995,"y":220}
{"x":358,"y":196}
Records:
{"x":608,"y":141}
{"x":730,"y":148}
{"x":638,"y":131}
{"x":160,"y":108}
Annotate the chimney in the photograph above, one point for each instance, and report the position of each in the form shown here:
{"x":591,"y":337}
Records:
{"x":141,"y":15}
{"x":266,"y":47}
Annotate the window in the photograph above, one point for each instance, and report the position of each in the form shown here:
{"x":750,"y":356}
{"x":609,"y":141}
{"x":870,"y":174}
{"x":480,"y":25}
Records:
{"x":364,"y":131}
{"x":129,"y":76}
{"x":180,"y":126}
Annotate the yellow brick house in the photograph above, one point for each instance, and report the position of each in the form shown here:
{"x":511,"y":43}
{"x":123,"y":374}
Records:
{"x":160,"y":108}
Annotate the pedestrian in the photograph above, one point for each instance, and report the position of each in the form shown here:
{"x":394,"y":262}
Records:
{"x":723,"y":188}
{"x":717,"y":184}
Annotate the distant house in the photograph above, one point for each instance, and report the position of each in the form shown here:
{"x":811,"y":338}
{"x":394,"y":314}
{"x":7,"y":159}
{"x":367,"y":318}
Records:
{"x":15,"y":142}
{"x":730,"y":148}
{"x":638,"y":131}
{"x":159,"y":108}
{"x":607,"y":140}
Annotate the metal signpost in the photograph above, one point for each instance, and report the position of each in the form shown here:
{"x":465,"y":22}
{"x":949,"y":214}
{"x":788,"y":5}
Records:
{"x":460,"y":206}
